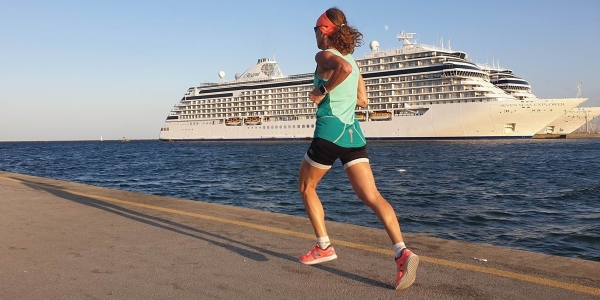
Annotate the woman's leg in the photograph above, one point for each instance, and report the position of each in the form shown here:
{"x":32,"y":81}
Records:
{"x":363,"y":183}
{"x":308,"y":179}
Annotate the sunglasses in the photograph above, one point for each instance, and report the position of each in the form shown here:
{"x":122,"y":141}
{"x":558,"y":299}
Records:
{"x":316,"y":27}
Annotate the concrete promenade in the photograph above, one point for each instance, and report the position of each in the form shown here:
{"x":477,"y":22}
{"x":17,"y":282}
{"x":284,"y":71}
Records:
{"x":63,"y":240}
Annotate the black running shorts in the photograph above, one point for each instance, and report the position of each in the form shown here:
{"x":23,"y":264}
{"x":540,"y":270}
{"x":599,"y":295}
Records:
{"x":323,"y":153}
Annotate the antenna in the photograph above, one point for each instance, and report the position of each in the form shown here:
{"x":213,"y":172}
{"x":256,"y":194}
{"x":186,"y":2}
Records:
{"x":442,"y":42}
{"x":579,"y":90}
{"x":449,"y":47}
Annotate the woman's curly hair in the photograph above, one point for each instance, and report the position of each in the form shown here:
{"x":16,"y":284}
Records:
{"x":346,"y":38}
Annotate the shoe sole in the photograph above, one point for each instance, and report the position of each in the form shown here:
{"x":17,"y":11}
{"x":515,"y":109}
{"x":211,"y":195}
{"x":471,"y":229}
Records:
{"x":412,"y":263}
{"x":320,"y":260}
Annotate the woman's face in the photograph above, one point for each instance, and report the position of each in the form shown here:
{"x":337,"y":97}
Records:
{"x":321,"y":40}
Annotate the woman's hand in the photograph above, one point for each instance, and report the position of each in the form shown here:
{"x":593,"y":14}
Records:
{"x":316,"y":96}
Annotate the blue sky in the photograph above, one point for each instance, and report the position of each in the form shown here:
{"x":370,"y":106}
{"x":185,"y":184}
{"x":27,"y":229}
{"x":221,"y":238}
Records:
{"x":78,"y":70}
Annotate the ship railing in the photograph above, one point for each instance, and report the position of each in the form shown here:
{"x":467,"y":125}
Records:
{"x":416,"y":49}
{"x":228,"y":83}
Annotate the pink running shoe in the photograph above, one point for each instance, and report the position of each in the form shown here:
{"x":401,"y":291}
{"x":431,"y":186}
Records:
{"x":407,"y":265}
{"x":316,"y":255}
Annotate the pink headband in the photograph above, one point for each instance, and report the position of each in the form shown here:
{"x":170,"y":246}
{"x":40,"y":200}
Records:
{"x":325,"y":25}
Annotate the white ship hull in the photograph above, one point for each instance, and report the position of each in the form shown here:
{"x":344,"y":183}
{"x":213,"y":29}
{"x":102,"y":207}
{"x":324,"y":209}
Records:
{"x":485,"y":120}
{"x":571,"y":120}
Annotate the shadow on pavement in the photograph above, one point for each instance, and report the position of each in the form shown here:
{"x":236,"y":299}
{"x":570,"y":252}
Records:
{"x":259,"y":254}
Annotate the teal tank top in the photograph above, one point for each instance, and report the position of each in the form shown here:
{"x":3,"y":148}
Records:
{"x":336,"y":120}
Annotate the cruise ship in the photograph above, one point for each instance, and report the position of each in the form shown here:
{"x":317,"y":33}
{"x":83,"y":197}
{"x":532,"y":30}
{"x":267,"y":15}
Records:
{"x":521,"y":89}
{"x":414,"y":92}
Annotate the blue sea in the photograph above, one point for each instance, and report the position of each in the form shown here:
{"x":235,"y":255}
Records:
{"x":536,"y":195}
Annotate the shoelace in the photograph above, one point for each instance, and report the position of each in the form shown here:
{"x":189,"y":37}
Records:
{"x":313,"y":252}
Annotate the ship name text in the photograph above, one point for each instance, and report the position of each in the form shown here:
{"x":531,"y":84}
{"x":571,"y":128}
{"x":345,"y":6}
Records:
{"x":533,"y":104}
{"x":250,"y":75}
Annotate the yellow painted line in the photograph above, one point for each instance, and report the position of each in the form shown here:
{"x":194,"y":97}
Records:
{"x":437,"y":261}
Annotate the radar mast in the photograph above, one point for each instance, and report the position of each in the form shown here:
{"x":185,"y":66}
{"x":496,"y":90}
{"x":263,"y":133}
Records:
{"x":406,"y":39}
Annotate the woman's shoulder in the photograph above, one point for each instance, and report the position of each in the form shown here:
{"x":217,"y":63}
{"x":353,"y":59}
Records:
{"x":338,"y":53}
{"x":325,"y":55}
{"x":334,"y":51}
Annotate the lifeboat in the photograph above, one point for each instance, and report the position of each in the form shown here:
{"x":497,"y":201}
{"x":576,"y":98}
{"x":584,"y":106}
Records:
{"x":381,"y":116}
{"x":253,"y":121}
{"x":361,"y":116}
{"x":233,"y":122}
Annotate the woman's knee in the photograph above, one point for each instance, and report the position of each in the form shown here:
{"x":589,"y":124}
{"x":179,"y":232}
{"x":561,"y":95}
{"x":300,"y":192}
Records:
{"x":372,"y":199}
{"x":304,"y":187}
{"x":301,"y":187}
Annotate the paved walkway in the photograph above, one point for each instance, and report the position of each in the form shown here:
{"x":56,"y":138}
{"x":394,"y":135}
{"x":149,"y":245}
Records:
{"x":62,"y":240}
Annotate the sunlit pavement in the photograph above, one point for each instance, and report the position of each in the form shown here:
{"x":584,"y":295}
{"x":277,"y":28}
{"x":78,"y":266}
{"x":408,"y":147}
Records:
{"x":63,"y":240}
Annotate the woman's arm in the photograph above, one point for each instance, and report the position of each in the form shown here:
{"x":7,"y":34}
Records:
{"x":336,"y":67}
{"x":361,"y":99}
{"x":328,"y":61}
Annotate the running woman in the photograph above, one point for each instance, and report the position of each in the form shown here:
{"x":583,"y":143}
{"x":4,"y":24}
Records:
{"x":339,"y":88}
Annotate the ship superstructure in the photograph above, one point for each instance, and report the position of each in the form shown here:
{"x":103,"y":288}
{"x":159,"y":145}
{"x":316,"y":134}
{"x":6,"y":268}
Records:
{"x":414,"y":92}
{"x":506,"y":80}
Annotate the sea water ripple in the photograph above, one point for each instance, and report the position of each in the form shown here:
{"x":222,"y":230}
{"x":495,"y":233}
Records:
{"x":535,"y":195}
